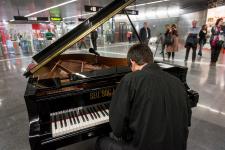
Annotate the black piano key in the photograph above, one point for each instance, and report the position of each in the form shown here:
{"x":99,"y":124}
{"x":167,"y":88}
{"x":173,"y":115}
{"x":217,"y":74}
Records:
{"x":64,"y":119}
{"x":85,"y":114}
{"x":73,"y":116}
{"x":61,"y":119}
{"x":99,"y":108}
{"x":77,"y":117}
{"x":96,"y":111}
{"x":70,"y":118}
{"x":90,"y":113}
{"x":82,"y":116}
{"x":103,"y":107}
{"x":55,"y":118}
{"x":93,"y":112}
{"x":107,"y":105}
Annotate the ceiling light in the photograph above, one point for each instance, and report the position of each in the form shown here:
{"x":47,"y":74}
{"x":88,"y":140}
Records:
{"x":78,"y":16}
{"x":4,"y":22}
{"x":155,"y":2}
{"x":150,"y":3}
{"x":46,"y":9}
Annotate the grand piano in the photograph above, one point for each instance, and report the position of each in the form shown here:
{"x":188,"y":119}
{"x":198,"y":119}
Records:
{"x":68,"y":95}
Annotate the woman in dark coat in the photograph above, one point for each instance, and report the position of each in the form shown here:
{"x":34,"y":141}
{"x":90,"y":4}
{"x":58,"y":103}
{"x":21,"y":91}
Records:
{"x":202,"y":38}
{"x":173,"y":47}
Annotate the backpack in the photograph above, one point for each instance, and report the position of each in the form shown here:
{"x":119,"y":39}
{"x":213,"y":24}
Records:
{"x":168,"y":39}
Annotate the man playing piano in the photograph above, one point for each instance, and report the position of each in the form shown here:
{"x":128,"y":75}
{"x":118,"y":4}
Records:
{"x":149,"y":109}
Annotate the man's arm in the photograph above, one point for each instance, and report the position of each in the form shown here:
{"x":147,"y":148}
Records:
{"x":120,"y":107}
{"x":149,"y":33}
{"x":140,"y":34}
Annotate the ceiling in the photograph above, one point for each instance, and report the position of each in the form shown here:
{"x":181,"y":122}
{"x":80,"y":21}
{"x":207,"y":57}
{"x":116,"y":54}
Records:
{"x":10,"y":8}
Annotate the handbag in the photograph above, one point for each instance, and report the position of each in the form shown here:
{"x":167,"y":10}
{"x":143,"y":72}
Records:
{"x":214,"y":41}
{"x":169,"y":39}
{"x":192,"y":40}
{"x":217,"y":40}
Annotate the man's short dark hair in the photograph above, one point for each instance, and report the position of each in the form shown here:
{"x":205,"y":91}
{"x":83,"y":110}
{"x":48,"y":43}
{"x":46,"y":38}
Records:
{"x":141,"y":54}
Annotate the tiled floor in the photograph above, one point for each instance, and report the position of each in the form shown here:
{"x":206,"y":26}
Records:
{"x":208,"y":121}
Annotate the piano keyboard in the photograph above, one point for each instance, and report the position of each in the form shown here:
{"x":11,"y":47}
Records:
{"x":73,"y":120}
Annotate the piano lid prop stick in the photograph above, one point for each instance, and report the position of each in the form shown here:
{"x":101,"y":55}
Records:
{"x":133,"y":26}
{"x":82,"y":67}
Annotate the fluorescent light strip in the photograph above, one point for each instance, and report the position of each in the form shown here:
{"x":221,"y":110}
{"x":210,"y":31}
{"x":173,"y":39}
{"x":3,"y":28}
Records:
{"x":46,"y":9}
{"x":155,"y":2}
{"x":150,"y":3}
{"x":78,"y":16}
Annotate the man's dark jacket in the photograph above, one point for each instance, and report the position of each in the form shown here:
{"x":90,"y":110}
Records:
{"x":143,"y":34}
{"x":149,"y":110}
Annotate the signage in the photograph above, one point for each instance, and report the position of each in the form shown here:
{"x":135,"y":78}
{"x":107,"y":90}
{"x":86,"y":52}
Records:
{"x":214,"y":14}
{"x":20,"y":18}
{"x":32,"y":18}
{"x":56,"y":18}
{"x":130,"y":12}
{"x":42,"y":19}
{"x":88,"y":8}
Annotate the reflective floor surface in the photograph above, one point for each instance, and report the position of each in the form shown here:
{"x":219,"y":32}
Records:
{"x":208,"y":122}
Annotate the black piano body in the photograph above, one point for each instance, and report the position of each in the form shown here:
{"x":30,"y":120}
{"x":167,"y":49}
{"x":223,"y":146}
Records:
{"x":68,"y":95}
{"x":59,"y":93}
{"x":80,"y":90}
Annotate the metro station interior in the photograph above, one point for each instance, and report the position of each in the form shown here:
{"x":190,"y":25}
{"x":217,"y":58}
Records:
{"x":62,"y":39}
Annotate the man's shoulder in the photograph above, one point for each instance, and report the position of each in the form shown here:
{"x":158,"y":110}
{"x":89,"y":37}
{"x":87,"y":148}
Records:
{"x":132,"y":75}
{"x":142,"y":28}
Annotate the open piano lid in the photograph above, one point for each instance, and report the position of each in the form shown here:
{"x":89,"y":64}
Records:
{"x":75,"y":35}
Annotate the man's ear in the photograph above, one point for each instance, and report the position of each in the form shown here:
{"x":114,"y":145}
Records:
{"x":132,"y":62}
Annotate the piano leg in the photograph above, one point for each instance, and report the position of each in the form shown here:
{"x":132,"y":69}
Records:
{"x":35,"y":143}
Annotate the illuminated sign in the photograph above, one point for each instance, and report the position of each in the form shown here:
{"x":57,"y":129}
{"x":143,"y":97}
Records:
{"x":92,"y":8}
{"x":56,"y":18}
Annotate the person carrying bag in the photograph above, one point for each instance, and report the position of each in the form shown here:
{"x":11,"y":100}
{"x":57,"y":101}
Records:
{"x":171,"y":41}
{"x":192,"y":41}
{"x":216,"y":41}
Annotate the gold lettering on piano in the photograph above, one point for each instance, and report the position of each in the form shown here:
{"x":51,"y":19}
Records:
{"x":95,"y":95}
{"x":102,"y":93}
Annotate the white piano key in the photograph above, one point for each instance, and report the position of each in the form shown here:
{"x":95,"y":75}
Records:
{"x":53,"y":124}
{"x":70,"y":118}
